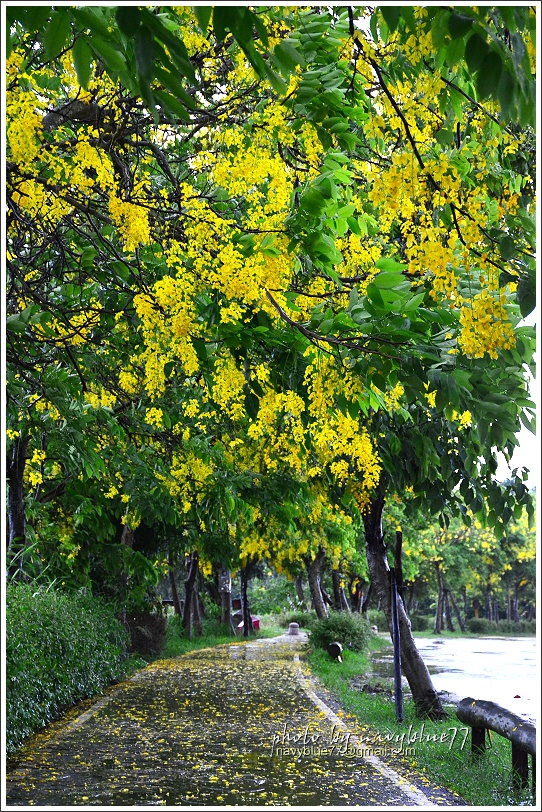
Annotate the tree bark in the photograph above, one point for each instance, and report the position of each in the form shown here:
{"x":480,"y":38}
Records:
{"x":314,"y":573}
{"x":439,"y":614}
{"x":340,"y":602}
{"x":366,"y":599}
{"x":177,"y":608}
{"x":224,"y":589}
{"x":16,"y":506}
{"x":448,"y":611}
{"x":457,"y":611}
{"x":299,"y":592}
{"x":427,"y":701}
{"x":188,"y":614}
{"x":245,"y":606}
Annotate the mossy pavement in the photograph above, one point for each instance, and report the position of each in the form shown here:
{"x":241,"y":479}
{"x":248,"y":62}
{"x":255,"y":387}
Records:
{"x":244,"y":724}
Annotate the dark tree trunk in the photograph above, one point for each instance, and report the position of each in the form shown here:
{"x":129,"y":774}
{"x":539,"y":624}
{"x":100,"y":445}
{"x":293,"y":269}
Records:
{"x":515,"y":603}
{"x":426,"y":699}
{"x":314,"y":574}
{"x":356,"y":594}
{"x":457,"y":611}
{"x":16,"y":507}
{"x":448,"y":611}
{"x":245,"y":606}
{"x":224,"y":589}
{"x":340,"y":602}
{"x":188,"y":615}
{"x":177,"y":608}
{"x":299,"y":592}
{"x":366,"y":599}
{"x":197,"y":612}
{"x":439,"y":614}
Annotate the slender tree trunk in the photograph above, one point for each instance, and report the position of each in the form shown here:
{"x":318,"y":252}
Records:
{"x":16,"y":506}
{"x":188,"y":614}
{"x":197,"y":608}
{"x":447,"y":611}
{"x":515,"y":603}
{"x":224,"y":589}
{"x":245,"y":607}
{"x":356,"y":595}
{"x":439,"y":614}
{"x":314,"y":573}
{"x":177,"y":608}
{"x":426,"y":699}
{"x":366,"y":599}
{"x":457,"y":611}
{"x":299,"y":592}
{"x":340,"y":602}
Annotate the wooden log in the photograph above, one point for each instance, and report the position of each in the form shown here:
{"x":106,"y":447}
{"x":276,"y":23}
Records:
{"x":481,"y":713}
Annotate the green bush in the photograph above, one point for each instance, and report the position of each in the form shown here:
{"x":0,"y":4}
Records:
{"x":59,"y":649}
{"x":378,"y":618}
{"x":352,"y":630}
{"x":481,"y":625}
{"x":304,"y":618}
{"x":419,"y":623}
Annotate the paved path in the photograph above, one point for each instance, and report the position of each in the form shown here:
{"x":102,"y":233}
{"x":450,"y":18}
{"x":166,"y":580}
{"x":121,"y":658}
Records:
{"x":238,"y":725}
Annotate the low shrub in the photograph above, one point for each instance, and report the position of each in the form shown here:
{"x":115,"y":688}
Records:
{"x":352,"y":630}
{"x":59,"y":649}
{"x":481,"y":625}
{"x":419,"y":623}
{"x":377,"y":618}
{"x":304,"y":618}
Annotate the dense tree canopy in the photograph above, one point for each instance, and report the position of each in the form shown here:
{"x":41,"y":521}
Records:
{"x":262,"y":264}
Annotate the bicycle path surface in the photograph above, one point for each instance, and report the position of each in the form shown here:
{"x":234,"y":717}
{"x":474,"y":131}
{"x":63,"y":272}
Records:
{"x":245,"y":724}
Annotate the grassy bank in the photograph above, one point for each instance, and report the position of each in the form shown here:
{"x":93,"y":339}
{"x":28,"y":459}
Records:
{"x":445,"y":759}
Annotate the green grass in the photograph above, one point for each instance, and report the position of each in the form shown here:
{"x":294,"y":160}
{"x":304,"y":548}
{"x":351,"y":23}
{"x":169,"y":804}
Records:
{"x":482,"y":782}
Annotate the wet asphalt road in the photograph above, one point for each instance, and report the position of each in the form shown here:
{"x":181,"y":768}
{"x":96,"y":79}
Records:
{"x":238,"y":725}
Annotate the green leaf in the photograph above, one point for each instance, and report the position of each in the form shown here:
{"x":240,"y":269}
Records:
{"x":459,"y":25}
{"x":203,"y":15}
{"x":144,"y":51}
{"x":526,"y":295}
{"x":287,"y":57}
{"x":252,"y":405}
{"x":224,"y":19}
{"x":112,"y":59}
{"x":82,"y":60}
{"x":128,"y":19}
{"x":488,"y":76}
{"x":390,"y":264}
{"x":15,"y":324}
{"x":507,"y":247}
{"x":476,"y":51}
{"x":56,"y":34}
{"x":391,"y":280}
{"x":171,"y":105}
{"x":392,"y":15}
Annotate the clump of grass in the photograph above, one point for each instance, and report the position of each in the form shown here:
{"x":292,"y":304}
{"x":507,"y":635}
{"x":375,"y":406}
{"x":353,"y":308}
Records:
{"x":482,"y":781}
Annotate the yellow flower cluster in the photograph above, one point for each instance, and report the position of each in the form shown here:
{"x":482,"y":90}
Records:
{"x":278,"y":430}
{"x":100,"y":400}
{"x":154,"y":417}
{"x":131,"y":220}
{"x":485,"y":327}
